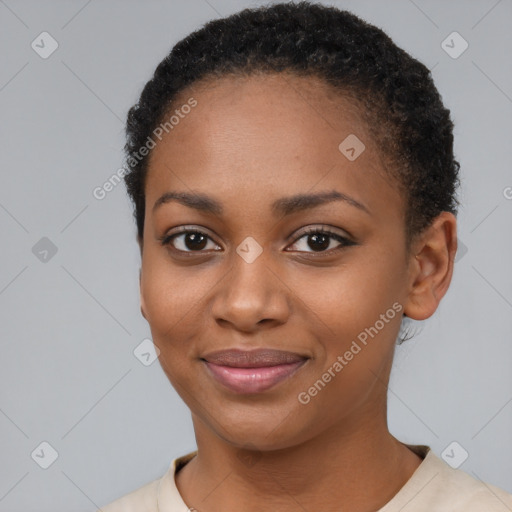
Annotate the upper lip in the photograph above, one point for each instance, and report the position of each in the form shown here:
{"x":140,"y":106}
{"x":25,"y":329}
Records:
{"x":256,"y":358}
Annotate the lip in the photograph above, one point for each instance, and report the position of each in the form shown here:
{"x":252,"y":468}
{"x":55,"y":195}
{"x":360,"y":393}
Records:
{"x":252,"y":371}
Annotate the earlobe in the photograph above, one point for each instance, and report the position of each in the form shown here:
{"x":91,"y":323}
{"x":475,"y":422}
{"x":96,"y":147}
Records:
{"x":431,"y":267}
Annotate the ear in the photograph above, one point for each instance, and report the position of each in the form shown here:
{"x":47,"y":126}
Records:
{"x":142,"y":305}
{"x":431,"y":266}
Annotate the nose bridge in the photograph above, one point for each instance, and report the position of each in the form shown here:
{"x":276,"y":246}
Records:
{"x":251,"y":292}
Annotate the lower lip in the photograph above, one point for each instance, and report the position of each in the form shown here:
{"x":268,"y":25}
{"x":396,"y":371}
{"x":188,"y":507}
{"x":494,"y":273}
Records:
{"x":252,"y":380}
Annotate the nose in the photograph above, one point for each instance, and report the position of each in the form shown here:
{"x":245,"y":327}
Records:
{"x":251,"y":297}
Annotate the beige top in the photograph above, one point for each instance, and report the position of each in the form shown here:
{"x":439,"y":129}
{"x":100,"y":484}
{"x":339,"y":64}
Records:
{"x":434,"y":486}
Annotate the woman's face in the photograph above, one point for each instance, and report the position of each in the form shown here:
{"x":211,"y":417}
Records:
{"x":255,"y":279}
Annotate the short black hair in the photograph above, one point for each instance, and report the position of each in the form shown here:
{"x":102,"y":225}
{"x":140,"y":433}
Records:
{"x":395,"y":93}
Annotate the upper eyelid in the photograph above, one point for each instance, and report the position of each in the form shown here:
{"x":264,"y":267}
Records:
{"x":321,"y":228}
{"x":330,"y":231}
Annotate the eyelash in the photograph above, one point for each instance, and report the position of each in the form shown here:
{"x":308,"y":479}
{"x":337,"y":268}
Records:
{"x":166,"y":240}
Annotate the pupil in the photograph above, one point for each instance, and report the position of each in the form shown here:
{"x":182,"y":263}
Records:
{"x":324,"y":244}
{"x":197,"y":241}
{"x":194,"y":238}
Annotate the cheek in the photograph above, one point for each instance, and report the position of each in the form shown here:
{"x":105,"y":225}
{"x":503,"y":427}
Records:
{"x":352,"y":297}
{"x":172,"y":299}
{"x":172,"y":295}
{"x":357,"y":313}
{"x":356,"y":316}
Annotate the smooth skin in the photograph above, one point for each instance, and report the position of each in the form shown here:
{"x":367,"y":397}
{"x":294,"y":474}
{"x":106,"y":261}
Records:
{"x":248,"y":142}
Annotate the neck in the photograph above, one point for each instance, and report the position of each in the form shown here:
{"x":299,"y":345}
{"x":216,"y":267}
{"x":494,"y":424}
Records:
{"x":336,"y":469}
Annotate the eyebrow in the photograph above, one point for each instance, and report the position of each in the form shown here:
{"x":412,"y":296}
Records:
{"x":283,"y":206}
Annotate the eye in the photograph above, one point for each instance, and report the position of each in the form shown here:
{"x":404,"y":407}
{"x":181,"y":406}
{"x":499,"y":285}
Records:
{"x":188,"y":240}
{"x":320,"y":240}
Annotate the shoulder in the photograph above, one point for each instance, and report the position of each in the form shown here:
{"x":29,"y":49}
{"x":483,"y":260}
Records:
{"x":465,"y":493}
{"x":160,"y":495}
{"x":435,"y":485}
{"x":143,"y":499}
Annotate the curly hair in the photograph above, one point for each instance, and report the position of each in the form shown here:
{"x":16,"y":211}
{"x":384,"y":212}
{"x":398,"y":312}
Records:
{"x":394,"y":93}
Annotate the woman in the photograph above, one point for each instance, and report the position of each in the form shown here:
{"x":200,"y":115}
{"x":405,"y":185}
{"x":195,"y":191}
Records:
{"x":294,"y":182}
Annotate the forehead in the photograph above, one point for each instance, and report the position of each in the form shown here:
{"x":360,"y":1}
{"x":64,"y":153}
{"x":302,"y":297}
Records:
{"x":249,"y":137}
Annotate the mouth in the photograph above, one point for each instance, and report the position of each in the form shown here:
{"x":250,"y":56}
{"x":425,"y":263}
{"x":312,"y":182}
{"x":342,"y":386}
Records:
{"x":252,"y":371}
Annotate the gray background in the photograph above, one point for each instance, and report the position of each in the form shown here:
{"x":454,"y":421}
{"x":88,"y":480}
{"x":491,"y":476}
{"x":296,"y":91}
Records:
{"x":70,"y":324}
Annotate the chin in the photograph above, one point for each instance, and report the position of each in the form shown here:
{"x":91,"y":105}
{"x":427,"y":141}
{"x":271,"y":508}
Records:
{"x":260,"y":430}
